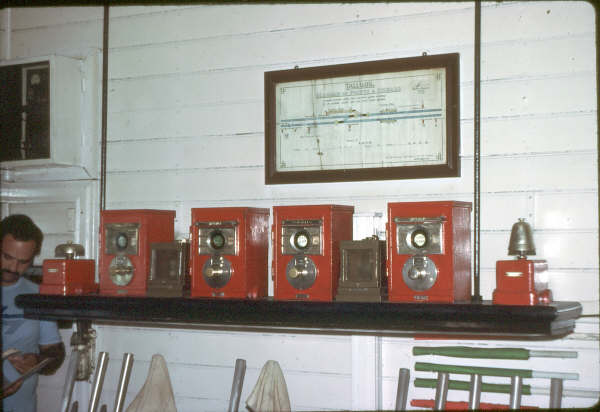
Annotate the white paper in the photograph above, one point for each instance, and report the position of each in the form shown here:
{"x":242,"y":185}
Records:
{"x":366,"y":121}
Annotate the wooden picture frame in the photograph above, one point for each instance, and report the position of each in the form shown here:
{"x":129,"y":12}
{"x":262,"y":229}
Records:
{"x":376,"y":120}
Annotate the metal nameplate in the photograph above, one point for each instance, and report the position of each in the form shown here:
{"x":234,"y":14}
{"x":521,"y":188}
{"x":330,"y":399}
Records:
{"x":223,"y":223}
{"x":424,"y":220}
{"x":302,"y":222}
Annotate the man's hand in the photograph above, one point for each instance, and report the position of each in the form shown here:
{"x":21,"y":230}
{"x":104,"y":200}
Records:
{"x":22,"y":362}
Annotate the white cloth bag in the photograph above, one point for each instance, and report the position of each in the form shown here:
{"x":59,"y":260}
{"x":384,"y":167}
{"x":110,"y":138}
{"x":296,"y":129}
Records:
{"x":270,"y":393}
{"x":157,"y":394}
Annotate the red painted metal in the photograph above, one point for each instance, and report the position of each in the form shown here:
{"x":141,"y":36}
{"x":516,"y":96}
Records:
{"x":518,"y":282}
{"x":250,"y":266}
{"x":336,"y":226}
{"x":453,"y":283}
{"x":68,"y":277}
{"x":154,"y":226}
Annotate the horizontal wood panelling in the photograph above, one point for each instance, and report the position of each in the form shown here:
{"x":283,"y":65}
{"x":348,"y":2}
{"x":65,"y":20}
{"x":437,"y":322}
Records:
{"x":537,"y":20}
{"x":220,"y":349}
{"x":289,"y":46}
{"x":562,"y":250}
{"x":520,"y":127}
{"x":192,"y":121}
{"x":208,"y":356}
{"x":189,"y":153}
{"x":76,"y":40}
{"x":551,"y":57}
{"x":188,"y":90}
{"x":566,"y":172}
{"x":186,"y":129}
{"x":550,"y":132}
{"x":578,"y":285}
{"x":566,"y":210}
{"x":229,"y":20}
{"x":534,"y":96}
{"x":24,"y":19}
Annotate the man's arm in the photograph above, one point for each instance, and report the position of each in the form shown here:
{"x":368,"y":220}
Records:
{"x":55,"y":352}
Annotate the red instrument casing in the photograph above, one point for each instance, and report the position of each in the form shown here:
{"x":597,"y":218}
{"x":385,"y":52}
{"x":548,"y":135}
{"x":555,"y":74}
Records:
{"x":229,"y":252}
{"x":68,"y":277}
{"x":306,"y":250}
{"x":518,"y":282}
{"x":429,"y":251}
{"x":125,"y":238}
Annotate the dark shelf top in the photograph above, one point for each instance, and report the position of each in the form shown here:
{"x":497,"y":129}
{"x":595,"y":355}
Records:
{"x":483,"y":320}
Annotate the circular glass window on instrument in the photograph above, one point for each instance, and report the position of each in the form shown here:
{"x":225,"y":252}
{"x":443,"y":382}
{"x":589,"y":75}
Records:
{"x":217,"y":240}
{"x":419,"y":239}
{"x":301,"y":240}
{"x":121,"y":270}
{"x":122,"y":241}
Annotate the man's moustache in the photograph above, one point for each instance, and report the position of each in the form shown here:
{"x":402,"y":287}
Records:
{"x":9,"y":272}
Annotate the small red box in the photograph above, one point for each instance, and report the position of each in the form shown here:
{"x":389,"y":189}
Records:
{"x":68,"y":277}
{"x":518,"y":282}
{"x":429,"y":251}
{"x":229,"y":252}
{"x":125,"y":238}
{"x":306,"y":250}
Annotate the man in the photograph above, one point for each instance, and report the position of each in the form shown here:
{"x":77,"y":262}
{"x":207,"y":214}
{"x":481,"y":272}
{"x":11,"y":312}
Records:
{"x":36,"y":340}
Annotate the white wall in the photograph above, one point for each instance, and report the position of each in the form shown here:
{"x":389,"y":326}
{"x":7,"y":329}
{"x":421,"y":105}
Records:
{"x":185,"y":129}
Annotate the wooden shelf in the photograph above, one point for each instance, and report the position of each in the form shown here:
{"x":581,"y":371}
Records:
{"x":478,"y":321}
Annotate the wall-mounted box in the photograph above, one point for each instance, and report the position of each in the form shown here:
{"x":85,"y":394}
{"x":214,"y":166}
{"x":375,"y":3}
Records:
{"x":41,"y":112}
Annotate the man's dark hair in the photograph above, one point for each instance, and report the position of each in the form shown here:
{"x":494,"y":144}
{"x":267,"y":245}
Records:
{"x":22,"y":228}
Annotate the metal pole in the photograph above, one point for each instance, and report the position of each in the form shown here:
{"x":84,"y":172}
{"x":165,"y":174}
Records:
{"x":98,"y":381}
{"x":441,"y":391}
{"x":556,"y":392}
{"x":476,"y":298}
{"x":123,"y":381}
{"x":475,"y":391}
{"x":402,"y":394}
{"x":104,"y":108}
{"x":236,"y":387}
{"x":516,"y":390}
{"x":70,"y":380}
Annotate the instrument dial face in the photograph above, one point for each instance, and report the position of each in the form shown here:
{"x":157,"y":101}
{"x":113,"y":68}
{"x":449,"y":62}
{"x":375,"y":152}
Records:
{"x":122,"y":241}
{"x":217,"y":240}
{"x":301,"y":240}
{"x":419,"y":238}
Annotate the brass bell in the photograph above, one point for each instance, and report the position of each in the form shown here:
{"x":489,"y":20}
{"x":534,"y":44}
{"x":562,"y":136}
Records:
{"x":69,"y":250}
{"x":521,"y":240}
